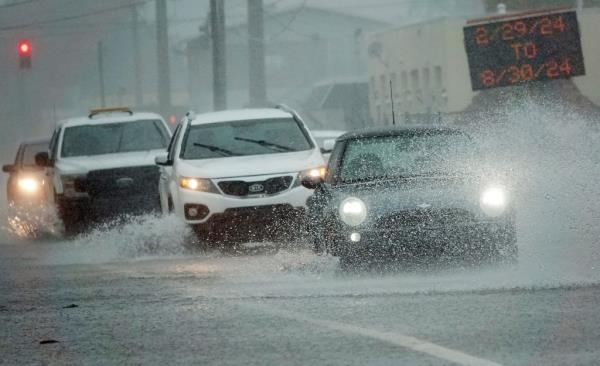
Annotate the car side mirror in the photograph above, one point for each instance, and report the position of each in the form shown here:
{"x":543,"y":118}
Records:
{"x":163,"y":160}
{"x":42,"y":159}
{"x":311,"y":182}
{"x":9,"y":168}
{"x":328,"y":146}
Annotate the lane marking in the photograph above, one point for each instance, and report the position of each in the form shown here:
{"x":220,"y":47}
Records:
{"x":404,"y":341}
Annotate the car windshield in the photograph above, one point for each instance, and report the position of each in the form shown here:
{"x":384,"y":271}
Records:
{"x":241,"y":138}
{"x":114,"y":138}
{"x":29,"y":152}
{"x":405,"y":155}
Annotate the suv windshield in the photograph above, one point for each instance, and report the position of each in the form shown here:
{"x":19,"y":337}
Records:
{"x":241,"y":138}
{"x":406,"y":155}
{"x":114,"y":138}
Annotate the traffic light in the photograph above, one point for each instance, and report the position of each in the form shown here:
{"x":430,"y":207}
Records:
{"x":24,"y":51}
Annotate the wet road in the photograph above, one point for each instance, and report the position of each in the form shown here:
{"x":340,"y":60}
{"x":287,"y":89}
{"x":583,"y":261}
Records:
{"x":291,"y":308}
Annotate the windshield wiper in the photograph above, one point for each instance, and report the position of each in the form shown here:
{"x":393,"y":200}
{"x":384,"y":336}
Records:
{"x":216,"y":149}
{"x":265,"y":143}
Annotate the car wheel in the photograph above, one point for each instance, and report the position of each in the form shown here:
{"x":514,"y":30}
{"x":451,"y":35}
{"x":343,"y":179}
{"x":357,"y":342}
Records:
{"x":317,"y":241}
{"x":201,"y":239}
{"x":351,"y":263}
{"x":508,"y":254}
{"x":507,"y":250}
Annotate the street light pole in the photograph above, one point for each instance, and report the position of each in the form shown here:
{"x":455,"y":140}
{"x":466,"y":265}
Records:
{"x":217,"y":32}
{"x":256,"y":54}
{"x":162,"y":50}
{"x":137,"y":59}
{"x":101,"y":74}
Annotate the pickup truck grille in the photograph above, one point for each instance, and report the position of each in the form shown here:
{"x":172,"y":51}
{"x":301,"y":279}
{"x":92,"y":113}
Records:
{"x":121,"y":182}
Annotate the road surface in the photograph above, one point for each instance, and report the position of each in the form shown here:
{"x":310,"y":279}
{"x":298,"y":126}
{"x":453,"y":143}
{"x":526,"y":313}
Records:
{"x":115,"y":299}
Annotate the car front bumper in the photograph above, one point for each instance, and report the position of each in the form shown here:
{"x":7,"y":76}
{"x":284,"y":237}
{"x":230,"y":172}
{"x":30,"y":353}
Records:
{"x":423,"y":241}
{"x":86,"y":209}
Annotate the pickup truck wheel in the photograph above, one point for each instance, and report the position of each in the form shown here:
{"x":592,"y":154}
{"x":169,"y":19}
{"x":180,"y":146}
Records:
{"x":70,"y":217}
{"x":170,"y":205}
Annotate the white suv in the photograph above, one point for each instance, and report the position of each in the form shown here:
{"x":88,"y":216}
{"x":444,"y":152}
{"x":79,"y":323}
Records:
{"x":235,"y":175}
{"x":102,"y":166}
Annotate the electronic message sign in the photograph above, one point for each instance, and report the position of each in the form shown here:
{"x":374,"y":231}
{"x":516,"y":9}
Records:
{"x":513,"y":51}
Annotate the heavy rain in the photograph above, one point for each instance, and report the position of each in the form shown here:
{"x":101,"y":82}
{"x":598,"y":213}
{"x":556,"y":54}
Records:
{"x":273,"y":182}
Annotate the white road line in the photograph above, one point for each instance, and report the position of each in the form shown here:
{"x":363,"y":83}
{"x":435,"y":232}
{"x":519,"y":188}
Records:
{"x":411,"y":343}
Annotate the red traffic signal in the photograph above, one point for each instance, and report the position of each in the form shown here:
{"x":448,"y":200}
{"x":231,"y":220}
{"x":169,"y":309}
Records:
{"x":24,"y":50}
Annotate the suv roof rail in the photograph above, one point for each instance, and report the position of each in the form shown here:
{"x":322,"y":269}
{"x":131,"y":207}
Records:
{"x":95,"y":112}
{"x":291,"y":111}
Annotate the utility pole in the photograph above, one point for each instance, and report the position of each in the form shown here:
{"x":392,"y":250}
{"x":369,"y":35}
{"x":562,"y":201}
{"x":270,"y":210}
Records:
{"x":256,"y":54}
{"x":217,"y":33}
{"x":137,"y":60}
{"x":162,"y":50}
{"x":101,"y":74}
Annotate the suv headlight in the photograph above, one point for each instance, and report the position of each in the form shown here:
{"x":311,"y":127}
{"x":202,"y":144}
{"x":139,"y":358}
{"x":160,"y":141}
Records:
{"x":198,"y":184}
{"x":493,"y":200}
{"x":313,"y":173}
{"x":353,"y":211}
{"x":318,"y":172}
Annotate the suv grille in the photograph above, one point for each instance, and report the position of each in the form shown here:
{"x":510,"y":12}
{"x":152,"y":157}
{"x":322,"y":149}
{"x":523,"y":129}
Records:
{"x":270,"y":186}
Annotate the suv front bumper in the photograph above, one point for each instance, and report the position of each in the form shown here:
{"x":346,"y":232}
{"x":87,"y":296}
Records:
{"x":218,"y":204}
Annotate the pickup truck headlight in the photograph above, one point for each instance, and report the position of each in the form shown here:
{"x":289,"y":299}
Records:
{"x":68,"y":183}
{"x":353,"y":211}
{"x":493,"y":200}
{"x":198,"y":184}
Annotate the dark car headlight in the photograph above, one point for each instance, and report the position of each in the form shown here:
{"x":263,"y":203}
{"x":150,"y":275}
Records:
{"x":30,"y":185}
{"x":353,"y":211}
{"x":493,"y":200}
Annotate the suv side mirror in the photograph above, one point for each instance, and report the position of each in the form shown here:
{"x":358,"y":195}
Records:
{"x":9,"y":168}
{"x":311,"y":182}
{"x":42,"y":159}
{"x":162,"y":160}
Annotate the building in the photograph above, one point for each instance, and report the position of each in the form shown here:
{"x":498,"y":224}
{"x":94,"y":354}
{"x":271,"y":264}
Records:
{"x":304,"y":46}
{"x":426,"y":65}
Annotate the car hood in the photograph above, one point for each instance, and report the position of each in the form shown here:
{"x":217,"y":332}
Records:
{"x":242,"y":166}
{"x":84,"y":164}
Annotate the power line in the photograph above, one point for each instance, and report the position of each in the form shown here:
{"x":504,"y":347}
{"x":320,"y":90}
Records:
{"x":74,"y":17}
{"x":289,"y":24}
{"x":22,"y":2}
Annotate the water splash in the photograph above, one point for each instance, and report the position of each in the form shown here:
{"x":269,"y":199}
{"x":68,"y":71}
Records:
{"x":554,"y":153}
{"x":141,"y":237}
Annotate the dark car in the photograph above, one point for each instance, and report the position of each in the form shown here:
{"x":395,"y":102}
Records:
{"x":410,"y":193}
{"x":25,"y":189}
{"x":26,"y":179}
